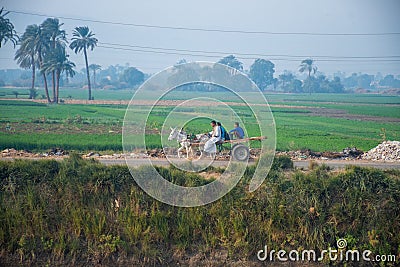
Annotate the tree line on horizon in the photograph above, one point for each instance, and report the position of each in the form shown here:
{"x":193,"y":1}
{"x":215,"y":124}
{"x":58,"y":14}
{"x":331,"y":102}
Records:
{"x":43,"y":48}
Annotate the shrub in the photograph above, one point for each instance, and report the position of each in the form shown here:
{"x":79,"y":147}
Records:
{"x":282,"y":163}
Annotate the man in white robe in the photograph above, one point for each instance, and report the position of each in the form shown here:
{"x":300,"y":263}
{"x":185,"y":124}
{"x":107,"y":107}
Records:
{"x":210,"y":146}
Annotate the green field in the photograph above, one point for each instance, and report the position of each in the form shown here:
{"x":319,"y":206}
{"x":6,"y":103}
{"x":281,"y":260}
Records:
{"x":345,"y":120}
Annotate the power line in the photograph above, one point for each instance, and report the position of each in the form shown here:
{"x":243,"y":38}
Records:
{"x":159,"y":52}
{"x":206,"y":29}
{"x":248,"y":54}
{"x":219,"y":53}
{"x":332,"y":59}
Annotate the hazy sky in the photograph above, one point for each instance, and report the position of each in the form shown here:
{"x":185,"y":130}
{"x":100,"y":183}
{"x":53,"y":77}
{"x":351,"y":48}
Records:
{"x":331,"y":52}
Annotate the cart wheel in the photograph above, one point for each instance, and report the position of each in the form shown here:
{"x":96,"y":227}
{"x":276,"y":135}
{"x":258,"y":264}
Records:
{"x":240,"y":152}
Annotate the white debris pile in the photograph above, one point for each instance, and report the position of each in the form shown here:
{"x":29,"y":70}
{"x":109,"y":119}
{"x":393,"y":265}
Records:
{"x":386,"y":151}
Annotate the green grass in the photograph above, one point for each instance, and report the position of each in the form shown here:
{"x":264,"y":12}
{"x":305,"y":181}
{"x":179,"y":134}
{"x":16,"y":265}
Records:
{"x":335,"y":98}
{"x":371,"y":110}
{"x":79,"y":142}
{"x":296,"y":128}
{"x":21,"y":111}
{"x":74,"y":93}
{"x":65,"y":213}
{"x":330,"y":134}
{"x":78,"y":93}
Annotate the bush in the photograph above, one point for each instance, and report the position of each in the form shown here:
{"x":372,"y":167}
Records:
{"x":282,"y":163}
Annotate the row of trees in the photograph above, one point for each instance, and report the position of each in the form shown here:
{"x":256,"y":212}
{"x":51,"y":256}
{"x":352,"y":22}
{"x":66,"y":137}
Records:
{"x":262,"y":73}
{"x":112,"y":77}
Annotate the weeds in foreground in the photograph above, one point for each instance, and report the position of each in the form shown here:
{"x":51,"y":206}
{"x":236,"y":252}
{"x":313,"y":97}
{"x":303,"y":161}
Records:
{"x":79,"y":210}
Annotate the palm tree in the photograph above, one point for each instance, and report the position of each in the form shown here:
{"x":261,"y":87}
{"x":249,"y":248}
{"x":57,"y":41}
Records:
{"x":25,"y":55}
{"x":84,"y":39}
{"x":309,"y":66}
{"x":30,"y":53}
{"x":41,"y":46}
{"x":7,"y":32}
{"x":52,"y":31}
{"x":58,"y":63}
{"x":94,"y":68}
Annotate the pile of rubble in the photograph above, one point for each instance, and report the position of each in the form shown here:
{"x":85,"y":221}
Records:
{"x":55,"y":152}
{"x":12,"y":153}
{"x":386,"y":151}
{"x":97,"y":155}
{"x":306,"y":154}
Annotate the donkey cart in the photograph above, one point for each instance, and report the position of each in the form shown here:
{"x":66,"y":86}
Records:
{"x":238,"y":150}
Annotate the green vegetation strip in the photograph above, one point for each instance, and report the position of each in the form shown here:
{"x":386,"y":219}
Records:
{"x":296,"y":127}
{"x":45,"y":141}
{"x":80,"y":212}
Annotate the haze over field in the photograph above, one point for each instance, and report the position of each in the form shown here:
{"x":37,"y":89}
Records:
{"x":350,"y":36}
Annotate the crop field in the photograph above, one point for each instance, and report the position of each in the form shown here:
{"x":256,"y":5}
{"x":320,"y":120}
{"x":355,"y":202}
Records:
{"x":320,"y":122}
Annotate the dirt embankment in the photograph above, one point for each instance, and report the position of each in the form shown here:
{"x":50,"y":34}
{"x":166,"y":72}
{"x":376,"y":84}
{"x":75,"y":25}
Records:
{"x":385,"y":155}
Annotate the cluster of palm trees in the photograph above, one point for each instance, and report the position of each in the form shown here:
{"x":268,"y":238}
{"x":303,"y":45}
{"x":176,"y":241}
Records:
{"x":43,"y":47}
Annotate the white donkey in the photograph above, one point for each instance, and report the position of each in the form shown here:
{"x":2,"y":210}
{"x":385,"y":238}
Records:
{"x":182,"y":139}
{"x":186,"y":144}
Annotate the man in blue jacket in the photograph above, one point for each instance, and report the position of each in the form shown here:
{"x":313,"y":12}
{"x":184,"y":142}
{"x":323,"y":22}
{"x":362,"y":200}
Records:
{"x":237,"y":132}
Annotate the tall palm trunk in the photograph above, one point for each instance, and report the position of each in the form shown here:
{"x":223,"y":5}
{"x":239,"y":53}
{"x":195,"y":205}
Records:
{"x":309,"y":80}
{"x":87,"y":73}
{"x":53,"y":81}
{"x":46,"y":89}
{"x":33,"y":76}
{"x":57,"y":85}
{"x":53,"y":73}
